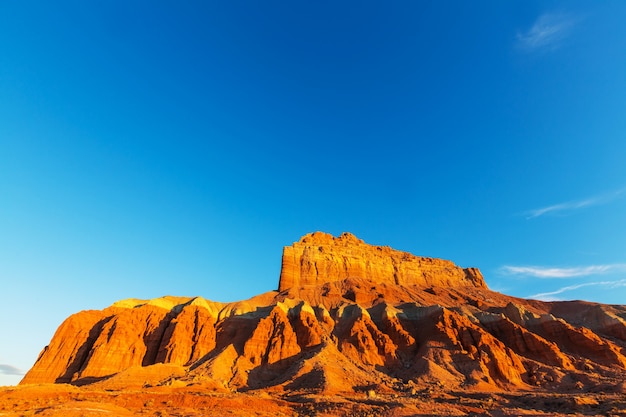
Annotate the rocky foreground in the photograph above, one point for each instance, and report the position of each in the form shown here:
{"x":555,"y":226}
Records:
{"x":353,"y":329}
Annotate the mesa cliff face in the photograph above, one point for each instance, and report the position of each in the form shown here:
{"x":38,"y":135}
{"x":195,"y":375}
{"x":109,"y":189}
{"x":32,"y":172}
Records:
{"x":319,"y":258}
{"x":347,"y":315}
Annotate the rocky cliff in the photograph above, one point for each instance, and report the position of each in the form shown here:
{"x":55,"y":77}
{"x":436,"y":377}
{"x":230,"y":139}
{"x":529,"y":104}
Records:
{"x":348,"y":316}
{"x":319,"y":258}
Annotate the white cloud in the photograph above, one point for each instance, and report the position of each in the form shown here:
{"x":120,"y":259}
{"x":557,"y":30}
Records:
{"x":554,"y":272}
{"x":10,"y":370}
{"x":547,"y":32}
{"x":574,"y":205}
{"x":550,"y":296}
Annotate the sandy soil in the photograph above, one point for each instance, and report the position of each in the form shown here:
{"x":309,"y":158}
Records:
{"x":67,"y":400}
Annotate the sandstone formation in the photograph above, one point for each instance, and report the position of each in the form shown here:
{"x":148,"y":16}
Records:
{"x":347,"y":317}
{"x":319,"y":258}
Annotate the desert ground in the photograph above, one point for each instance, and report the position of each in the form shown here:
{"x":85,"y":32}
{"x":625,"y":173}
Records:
{"x":73,"y":401}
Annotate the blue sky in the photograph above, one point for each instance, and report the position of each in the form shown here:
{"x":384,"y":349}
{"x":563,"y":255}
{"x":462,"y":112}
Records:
{"x":152,"y":148}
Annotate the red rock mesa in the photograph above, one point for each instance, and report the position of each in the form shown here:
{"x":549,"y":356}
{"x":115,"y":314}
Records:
{"x":347,"y":315}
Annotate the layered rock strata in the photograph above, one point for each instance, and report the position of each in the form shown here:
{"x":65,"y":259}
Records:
{"x":346,"y":335}
{"x":319,"y":258}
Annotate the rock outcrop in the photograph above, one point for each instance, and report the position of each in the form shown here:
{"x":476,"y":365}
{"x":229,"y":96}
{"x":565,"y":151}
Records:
{"x":319,"y":258}
{"x":347,"y":316}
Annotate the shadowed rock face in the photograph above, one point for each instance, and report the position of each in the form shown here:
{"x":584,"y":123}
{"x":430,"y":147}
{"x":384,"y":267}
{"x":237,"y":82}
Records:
{"x":333,"y":327}
{"x":319,"y":258}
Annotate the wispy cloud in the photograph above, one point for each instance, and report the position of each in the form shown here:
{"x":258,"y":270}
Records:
{"x":547,"y":32}
{"x":553,"y":272}
{"x":550,"y":296}
{"x":574,"y":205}
{"x":10,"y":370}
{"x":571,"y":205}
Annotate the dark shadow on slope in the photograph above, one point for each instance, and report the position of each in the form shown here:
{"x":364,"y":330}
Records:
{"x":282,"y":371}
{"x":234,"y":330}
{"x":154,"y":339}
{"x":90,"y":380}
{"x":83,"y":352}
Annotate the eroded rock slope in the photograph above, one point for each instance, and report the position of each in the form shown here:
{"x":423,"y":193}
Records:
{"x":347,"y":316}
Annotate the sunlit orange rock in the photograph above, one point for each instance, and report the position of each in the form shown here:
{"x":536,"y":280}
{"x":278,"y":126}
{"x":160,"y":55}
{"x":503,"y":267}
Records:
{"x":347,"y":316}
{"x":319,"y":258}
{"x":62,"y":360}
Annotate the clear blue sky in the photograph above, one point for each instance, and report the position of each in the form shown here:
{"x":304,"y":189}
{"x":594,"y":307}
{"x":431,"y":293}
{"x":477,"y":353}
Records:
{"x":153,"y":148}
